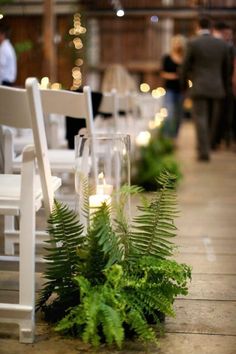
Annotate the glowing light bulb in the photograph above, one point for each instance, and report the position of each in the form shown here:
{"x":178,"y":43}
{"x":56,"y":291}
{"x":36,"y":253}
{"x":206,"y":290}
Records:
{"x":154,"y":19}
{"x":161,"y":91}
{"x":120,"y":13}
{"x":56,"y":86}
{"x":44,"y":82}
{"x":151,"y":124}
{"x":164,"y":112}
{"x":76,"y":73}
{"x":144,"y":87}
{"x":155,"y":94}
{"x":143,"y":138}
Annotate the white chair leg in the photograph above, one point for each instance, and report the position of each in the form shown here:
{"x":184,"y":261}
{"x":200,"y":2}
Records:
{"x":27,"y":249}
{"x":27,"y":329}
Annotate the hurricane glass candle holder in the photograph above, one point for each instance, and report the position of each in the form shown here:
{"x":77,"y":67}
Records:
{"x":102,"y":168}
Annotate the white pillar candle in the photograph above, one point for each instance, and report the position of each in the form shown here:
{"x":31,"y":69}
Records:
{"x":96,"y":200}
{"x":105,"y":189}
{"x":102,"y":187}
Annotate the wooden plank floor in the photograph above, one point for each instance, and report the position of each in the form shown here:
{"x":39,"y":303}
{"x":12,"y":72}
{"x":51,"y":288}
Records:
{"x":205,"y":320}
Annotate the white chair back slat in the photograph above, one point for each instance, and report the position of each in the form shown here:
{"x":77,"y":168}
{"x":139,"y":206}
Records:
{"x":12,"y":100}
{"x":89,"y":110}
{"x":40,"y":142}
{"x":69,"y":103}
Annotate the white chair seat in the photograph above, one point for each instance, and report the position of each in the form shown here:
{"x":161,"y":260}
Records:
{"x":10,"y":187}
{"x":60,"y":160}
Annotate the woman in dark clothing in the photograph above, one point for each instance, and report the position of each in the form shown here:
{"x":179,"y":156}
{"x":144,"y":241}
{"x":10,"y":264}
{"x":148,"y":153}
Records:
{"x":171,"y":64}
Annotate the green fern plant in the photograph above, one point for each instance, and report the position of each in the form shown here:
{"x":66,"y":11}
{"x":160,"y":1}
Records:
{"x":103,"y":311}
{"x":63,"y":261}
{"x":154,"y":158}
{"x":154,"y":227}
{"x":118,"y":278}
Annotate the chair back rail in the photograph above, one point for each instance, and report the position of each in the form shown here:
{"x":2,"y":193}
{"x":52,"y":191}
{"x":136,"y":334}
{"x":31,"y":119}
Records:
{"x":69,"y":103}
{"x":40,"y":142}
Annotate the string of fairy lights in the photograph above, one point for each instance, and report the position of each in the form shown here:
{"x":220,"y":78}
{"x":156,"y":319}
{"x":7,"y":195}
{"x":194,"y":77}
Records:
{"x":77,"y":31}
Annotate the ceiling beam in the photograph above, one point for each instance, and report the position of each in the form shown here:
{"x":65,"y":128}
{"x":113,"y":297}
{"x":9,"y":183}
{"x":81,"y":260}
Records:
{"x":35,"y":7}
{"x":173,"y":12}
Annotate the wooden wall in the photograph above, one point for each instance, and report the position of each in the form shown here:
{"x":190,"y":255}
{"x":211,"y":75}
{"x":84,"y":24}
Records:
{"x":29,"y":28}
{"x":132,"y":41}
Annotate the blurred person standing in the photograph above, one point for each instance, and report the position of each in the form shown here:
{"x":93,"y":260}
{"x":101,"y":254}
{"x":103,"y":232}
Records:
{"x":224,"y":32}
{"x":228,"y":36}
{"x":207,"y":65}
{"x":8,"y":63}
{"x":170,"y":72}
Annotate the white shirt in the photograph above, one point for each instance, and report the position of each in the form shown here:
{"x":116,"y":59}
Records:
{"x":8,"y":68}
{"x":203,"y":31}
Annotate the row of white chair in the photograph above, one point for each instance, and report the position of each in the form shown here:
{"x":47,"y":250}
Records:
{"x":76,"y":105}
{"x":24,"y":194}
{"x":61,"y":102}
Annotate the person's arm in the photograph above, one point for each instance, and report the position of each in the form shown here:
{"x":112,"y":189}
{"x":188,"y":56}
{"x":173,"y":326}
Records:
{"x":169,"y":76}
{"x":186,"y":67}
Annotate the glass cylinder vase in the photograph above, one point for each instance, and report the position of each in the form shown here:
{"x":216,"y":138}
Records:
{"x":102,"y":168}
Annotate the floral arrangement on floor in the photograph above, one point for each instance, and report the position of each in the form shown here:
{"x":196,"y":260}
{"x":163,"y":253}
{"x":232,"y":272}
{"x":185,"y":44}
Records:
{"x":156,"y":156}
{"x":119,"y":279}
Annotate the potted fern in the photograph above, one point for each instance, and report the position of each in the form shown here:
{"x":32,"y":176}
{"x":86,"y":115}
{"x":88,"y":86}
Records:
{"x":153,"y":158}
{"x":115,"y":281}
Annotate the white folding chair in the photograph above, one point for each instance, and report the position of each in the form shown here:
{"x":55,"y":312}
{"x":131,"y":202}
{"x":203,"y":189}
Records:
{"x":23,"y":195}
{"x":74,"y":104}
{"x":59,"y":102}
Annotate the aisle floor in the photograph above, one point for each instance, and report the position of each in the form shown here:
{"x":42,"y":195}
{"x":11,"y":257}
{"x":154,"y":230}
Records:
{"x":205,"y":321}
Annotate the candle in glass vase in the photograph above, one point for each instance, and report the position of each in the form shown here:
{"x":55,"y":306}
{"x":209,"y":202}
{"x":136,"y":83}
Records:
{"x":102,"y":187}
{"x":96,"y":200}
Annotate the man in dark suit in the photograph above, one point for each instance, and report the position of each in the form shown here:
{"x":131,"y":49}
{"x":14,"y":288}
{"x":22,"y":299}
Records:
{"x":207,"y":65}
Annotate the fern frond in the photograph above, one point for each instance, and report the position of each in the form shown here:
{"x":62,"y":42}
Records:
{"x":85,"y":193}
{"x":112,"y":325}
{"x":97,"y":316}
{"x":153,"y":284}
{"x":154,"y":227}
{"x":66,"y":236}
{"x":121,"y":219}
{"x":137,"y":322}
{"x":103,"y":248}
